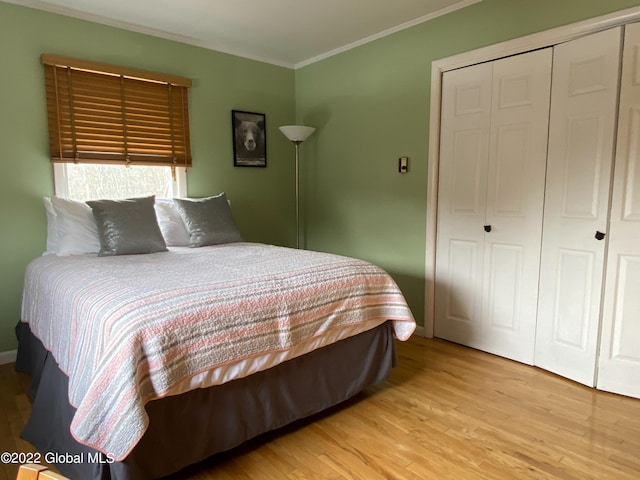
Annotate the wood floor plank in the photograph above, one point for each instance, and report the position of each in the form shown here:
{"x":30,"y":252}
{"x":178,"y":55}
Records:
{"x":446,"y":412}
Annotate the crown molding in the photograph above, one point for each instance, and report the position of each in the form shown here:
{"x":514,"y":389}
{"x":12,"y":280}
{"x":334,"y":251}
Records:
{"x":387,"y":32}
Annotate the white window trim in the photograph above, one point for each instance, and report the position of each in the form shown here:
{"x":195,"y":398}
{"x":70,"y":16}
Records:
{"x":178,"y":186}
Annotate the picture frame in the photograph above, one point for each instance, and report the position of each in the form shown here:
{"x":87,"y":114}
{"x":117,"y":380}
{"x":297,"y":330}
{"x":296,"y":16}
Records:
{"x":249,"y":139}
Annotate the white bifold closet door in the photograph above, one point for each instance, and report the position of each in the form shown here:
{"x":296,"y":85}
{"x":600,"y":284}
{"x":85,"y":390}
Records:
{"x":494,"y":127}
{"x":619,"y":362}
{"x":582,"y":126}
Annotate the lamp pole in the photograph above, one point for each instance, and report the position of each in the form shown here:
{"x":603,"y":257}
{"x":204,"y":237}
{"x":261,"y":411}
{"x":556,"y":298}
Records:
{"x":297,"y":145}
{"x":296,"y":135}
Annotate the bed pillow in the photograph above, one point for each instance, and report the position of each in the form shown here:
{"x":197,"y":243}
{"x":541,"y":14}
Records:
{"x":77,"y":231}
{"x":52,"y":227}
{"x":171,"y":225}
{"x":208,"y":220}
{"x":127,"y":227}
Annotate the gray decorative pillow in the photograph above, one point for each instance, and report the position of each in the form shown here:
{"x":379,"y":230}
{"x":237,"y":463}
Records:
{"x":127,"y":227}
{"x":208,"y":220}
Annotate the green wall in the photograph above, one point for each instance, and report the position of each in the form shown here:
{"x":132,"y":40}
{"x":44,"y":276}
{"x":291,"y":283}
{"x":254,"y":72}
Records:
{"x":370,"y":105}
{"x":262,"y":199}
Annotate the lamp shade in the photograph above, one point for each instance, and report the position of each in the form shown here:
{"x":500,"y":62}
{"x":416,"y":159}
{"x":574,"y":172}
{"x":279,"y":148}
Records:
{"x":297,"y":133}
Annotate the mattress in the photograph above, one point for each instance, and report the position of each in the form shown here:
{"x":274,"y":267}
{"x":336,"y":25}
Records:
{"x":130,"y":330}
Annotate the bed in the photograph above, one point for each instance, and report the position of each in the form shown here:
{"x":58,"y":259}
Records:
{"x":144,"y":364}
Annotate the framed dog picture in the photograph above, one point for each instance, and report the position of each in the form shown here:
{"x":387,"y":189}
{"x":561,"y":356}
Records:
{"x":249,"y":139}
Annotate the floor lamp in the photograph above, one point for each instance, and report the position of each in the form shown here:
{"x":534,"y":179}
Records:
{"x":297,"y":134}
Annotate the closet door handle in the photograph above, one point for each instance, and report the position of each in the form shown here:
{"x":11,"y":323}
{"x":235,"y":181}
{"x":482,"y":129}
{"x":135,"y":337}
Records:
{"x":487,"y":228}
{"x":599,"y":235}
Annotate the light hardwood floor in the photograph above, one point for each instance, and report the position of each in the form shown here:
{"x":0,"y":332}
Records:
{"x":446,"y":412}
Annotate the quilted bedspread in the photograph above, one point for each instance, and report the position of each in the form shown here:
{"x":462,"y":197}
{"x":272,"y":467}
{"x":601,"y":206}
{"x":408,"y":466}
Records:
{"x":127,"y":329}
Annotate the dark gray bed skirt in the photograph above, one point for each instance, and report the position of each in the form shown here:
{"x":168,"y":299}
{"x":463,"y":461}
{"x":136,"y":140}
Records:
{"x":188,"y":428}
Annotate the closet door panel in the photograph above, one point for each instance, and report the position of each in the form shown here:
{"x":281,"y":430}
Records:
{"x":468,"y":176}
{"x":466,"y":110}
{"x":631,"y":164}
{"x":583,"y":166}
{"x":573,"y":295}
{"x":619,"y":362}
{"x":581,"y":145}
{"x":462,"y":263}
{"x":515,"y":198}
{"x":491,"y":186}
{"x":504,"y":289}
{"x":626,"y":328}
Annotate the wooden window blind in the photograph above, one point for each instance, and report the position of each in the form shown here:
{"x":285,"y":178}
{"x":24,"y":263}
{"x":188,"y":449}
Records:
{"x":101,"y":113}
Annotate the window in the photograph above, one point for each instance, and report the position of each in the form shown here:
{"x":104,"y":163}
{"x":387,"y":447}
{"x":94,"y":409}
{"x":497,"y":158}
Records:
{"x":91,"y":181}
{"x":102,"y":117}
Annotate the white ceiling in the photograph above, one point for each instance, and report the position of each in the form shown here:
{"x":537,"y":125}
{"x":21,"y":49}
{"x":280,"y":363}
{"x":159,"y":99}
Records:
{"x":290,"y":33}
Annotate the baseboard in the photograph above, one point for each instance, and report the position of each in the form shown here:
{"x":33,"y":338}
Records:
{"x":420,"y":332}
{"x":8,"y":357}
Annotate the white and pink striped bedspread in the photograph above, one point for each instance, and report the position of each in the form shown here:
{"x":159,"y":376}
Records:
{"x":130,"y":329}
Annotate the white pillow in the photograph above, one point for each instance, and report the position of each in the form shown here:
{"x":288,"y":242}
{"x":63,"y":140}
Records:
{"x":52,"y":227}
{"x":173,"y":229}
{"x":77,"y":230}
